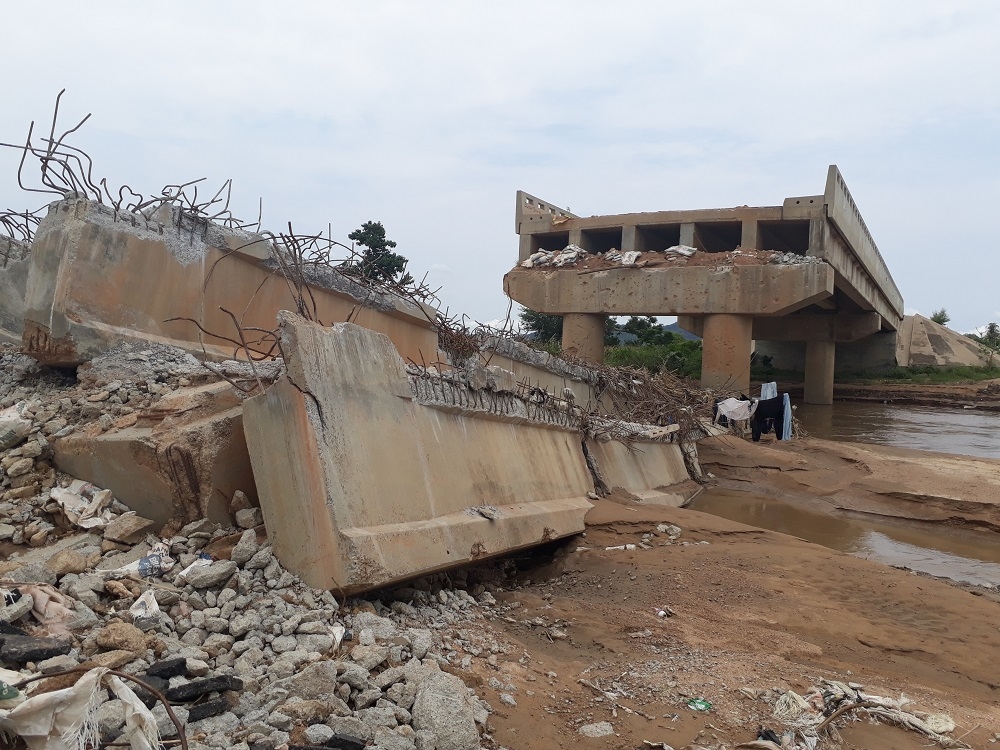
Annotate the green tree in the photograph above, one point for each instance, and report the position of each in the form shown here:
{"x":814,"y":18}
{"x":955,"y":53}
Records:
{"x":378,"y":262}
{"x":941,"y":316}
{"x":648,"y":331}
{"x":992,"y":336}
{"x":546,"y":327}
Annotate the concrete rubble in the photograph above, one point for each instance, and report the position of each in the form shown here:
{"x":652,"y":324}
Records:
{"x":252,"y":657}
{"x":201,"y":608}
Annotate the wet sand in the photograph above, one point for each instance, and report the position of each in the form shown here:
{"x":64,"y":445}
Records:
{"x":755,"y":609}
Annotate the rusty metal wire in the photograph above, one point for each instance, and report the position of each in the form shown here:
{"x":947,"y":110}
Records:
{"x":66,"y":170}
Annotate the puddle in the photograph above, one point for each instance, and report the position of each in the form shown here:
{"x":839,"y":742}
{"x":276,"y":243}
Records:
{"x":958,"y":554}
{"x":967,"y":432}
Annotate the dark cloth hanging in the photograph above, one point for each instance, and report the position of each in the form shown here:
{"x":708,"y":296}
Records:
{"x":769,"y":415}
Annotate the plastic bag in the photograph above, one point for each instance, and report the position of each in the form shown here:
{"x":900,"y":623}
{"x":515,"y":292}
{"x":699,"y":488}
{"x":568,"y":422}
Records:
{"x":14,"y":426}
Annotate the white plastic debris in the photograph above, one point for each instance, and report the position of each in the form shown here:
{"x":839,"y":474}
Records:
{"x":83,"y":504}
{"x":14,"y":426}
{"x":67,"y":719}
{"x":145,"y":609}
{"x":629,"y":258}
{"x":686,"y":250}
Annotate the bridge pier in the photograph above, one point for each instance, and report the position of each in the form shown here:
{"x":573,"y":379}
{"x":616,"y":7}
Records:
{"x":583,"y":336}
{"x":819,"y":372}
{"x":725,"y":357}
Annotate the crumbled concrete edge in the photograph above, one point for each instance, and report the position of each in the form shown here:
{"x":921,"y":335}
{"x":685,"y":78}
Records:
{"x":521,"y":352}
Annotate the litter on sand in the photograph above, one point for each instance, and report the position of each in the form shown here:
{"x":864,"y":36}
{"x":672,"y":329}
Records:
{"x":811,"y":714}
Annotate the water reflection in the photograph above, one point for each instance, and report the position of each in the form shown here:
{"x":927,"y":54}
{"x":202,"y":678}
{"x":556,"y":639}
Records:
{"x":964,"y":431}
{"x":957,"y":554}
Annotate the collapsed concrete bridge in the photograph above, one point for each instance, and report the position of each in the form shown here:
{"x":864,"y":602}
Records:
{"x":368,"y":468}
{"x":829,"y":286}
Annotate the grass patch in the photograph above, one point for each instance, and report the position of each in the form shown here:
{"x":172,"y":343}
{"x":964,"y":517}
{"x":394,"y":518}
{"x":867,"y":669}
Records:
{"x":923,"y":375}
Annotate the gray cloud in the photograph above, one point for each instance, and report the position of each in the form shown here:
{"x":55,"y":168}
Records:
{"x":428,"y":117}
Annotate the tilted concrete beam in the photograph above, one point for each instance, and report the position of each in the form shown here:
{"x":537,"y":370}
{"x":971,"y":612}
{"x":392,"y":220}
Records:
{"x":839,"y":328}
{"x":698,"y":290}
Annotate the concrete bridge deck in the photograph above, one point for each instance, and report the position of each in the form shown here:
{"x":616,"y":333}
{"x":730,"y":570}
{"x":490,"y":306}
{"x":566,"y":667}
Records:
{"x":841,"y":291}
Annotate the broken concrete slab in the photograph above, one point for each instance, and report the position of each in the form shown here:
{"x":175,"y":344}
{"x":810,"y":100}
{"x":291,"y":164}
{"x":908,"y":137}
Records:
{"x":655,"y":472}
{"x":180,"y":461}
{"x":14,"y":265}
{"x":362,"y":485}
{"x":89,"y":286}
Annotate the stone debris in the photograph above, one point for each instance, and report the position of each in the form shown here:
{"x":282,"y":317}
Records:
{"x":248,"y":654}
{"x":678,"y":255}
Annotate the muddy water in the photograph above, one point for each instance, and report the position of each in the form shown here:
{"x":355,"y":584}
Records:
{"x":965,"y":431}
{"x":961,"y":555}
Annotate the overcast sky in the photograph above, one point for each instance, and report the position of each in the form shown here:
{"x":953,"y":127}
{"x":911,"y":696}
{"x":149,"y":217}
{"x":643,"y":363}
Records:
{"x":429,"y":116}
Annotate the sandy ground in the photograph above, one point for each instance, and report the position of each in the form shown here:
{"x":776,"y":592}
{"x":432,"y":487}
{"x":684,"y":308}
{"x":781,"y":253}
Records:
{"x":756,"y":611}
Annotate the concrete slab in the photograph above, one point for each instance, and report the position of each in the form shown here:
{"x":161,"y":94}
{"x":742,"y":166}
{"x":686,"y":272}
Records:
{"x":362,"y":484}
{"x":177,"y":463}
{"x":98,"y":277}
{"x":14,"y":263}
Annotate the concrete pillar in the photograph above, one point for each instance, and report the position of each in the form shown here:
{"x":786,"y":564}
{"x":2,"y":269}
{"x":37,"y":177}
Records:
{"x":819,"y":372}
{"x":688,"y":235}
{"x":630,"y":240}
{"x":748,"y":238}
{"x":578,"y":238}
{"x":583,"y":336}
{"x":725,"y":357}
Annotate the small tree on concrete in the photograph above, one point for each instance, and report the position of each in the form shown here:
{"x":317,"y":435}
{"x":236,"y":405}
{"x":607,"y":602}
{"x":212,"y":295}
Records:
{"x":378,"y":262}
{"x":940,"y":317}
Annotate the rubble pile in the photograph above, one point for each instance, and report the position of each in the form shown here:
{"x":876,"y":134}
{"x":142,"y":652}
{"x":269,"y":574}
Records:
{"x":677,"y":255}
{"x":248,"y":655}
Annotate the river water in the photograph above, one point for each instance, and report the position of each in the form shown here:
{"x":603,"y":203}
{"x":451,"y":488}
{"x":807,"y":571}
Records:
{"x":969,"y":432}
{"x":944,"y":551}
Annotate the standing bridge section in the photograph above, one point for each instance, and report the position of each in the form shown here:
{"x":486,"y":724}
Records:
{"x":805,"y":271}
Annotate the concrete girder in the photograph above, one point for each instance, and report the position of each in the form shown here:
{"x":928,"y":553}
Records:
{"x":839,"y":328}
{"x":697,"y":290}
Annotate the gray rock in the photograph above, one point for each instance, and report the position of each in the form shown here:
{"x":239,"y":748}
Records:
{"x":599,"y":729}
{"x":381,"y":717}
{"x":6,"y":531}
{"x":386,"y":739}
{"x":367,"y":698}
{"x":164,"y":724}
{"x":317,"y":643}
{"x":261,"y":559}
{"x":129,"y":528}
{"x":280,"y":720}
{"x":58,"y":663}
{"x":389,"y":677}
{"x":36,"y":572}
{"x":316,"y":681}
{"x":284,"y":643}
{"x":381,"y":627}
{"x":223,"y":723}
{"x":245,"y":548}
{"x":249,"y":517}
{"x":110,"y":717}
{"x":17,"y":610}
{"x":317,"y":734}
{"x":508,"y":699}
{"x":425,"y":740}
{"x":212,"y":575}
{"x":356,"y":676}
{"x":442,"y":707}
{"x":245,"y":623}
{"x":351,"y":727}
{"x":421,"y":642}
{"x":369,"y":657}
